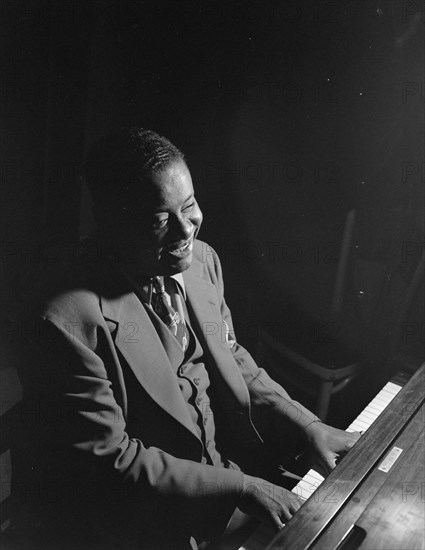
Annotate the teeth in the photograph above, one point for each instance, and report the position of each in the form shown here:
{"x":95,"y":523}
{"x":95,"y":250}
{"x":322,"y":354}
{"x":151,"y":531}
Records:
{"x":178,"y":250}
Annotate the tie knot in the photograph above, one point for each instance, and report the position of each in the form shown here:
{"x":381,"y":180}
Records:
{"x":158,"y":284}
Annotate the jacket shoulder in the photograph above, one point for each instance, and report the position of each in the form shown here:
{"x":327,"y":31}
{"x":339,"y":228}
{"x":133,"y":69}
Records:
{"x":206,"y":255}
{"x":76,"y":304}
{"x":68,"y":294}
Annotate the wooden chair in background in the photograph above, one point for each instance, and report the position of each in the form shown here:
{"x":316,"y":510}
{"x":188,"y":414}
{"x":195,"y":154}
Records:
{"x":288,"y":366}
{"x":382,"y":320}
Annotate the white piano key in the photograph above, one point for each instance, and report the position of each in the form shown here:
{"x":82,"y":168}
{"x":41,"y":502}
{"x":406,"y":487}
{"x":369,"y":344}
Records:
{"x":368,"y":416}
{"x":385,"y":394}
{"x":391,"y":386}
{"x":369,"y":419}
{"x":315,"y":476}
{"x":354,"y":428}
{"x":362,"y":425}
{"x":375,"y":411}
{"x":366,"y":420}
{"x":380,"y":402}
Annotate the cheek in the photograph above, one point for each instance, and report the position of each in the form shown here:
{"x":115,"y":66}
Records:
{"x":155,"y":245}
{"x":143,"y":248}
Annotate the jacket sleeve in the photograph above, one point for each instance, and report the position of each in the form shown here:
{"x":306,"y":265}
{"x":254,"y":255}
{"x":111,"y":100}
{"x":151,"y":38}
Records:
{"x":74,"y":386}
{"x":268,"y":398}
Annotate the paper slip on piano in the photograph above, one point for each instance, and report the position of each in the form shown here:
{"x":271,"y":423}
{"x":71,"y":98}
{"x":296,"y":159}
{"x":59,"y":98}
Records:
{"x":375,"y":497}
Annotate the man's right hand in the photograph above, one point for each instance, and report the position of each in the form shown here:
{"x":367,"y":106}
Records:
{"x":268,"y":502}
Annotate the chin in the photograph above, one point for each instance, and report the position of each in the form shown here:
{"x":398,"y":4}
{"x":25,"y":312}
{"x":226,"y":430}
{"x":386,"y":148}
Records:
{"x":180,"y":266}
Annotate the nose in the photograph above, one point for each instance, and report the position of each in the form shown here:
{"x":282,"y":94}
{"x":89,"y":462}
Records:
{"x":184,"y":228}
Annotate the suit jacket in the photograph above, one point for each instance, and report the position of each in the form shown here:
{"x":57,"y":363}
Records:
{"x":110,"y":440}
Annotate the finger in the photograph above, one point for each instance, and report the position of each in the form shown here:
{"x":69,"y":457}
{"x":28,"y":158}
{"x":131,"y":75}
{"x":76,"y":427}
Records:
{"x":277,"y":522}
{"x":295,"y":506}
{"x":355,"y":436}
{"x":329,"y":462}
{"x":300,"y":502}
{"x":295,"y":503}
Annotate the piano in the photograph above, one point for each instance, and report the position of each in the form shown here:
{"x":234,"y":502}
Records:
{"x":375,"y":497}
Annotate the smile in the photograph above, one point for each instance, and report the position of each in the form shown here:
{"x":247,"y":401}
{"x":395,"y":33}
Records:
{"x":182,"y":251}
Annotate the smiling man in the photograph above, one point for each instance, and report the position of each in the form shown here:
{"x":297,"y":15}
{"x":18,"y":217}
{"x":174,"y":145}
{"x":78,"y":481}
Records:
{"x":153,"y":423}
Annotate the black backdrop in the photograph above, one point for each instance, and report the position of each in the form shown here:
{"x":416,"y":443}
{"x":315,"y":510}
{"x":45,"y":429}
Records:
{"x":292,"y":114}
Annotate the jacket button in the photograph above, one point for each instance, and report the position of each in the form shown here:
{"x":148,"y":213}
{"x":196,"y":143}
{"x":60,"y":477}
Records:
{"x":196,"y":381}
{"x":183,"y":369}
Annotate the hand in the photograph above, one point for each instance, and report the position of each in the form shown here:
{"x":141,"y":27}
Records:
{"x":268,"y":502}
{"x":328,"y":444}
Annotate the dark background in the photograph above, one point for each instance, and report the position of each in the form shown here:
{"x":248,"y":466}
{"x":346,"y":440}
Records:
{"x":292,"y":114}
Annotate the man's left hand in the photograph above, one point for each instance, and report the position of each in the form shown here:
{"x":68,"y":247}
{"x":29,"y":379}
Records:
{"x":328,"y":444}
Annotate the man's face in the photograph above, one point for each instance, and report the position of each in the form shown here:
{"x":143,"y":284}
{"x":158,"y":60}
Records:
{"x":162,"y":234}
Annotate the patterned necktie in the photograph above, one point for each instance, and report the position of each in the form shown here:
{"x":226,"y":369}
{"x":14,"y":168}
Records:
{"x":167,"y":313}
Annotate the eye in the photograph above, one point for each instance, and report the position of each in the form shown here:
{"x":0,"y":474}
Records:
{"x":189,"y":207}
{"x":159,"y":223}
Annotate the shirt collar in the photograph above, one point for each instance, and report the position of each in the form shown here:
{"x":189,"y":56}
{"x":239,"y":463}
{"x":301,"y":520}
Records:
{"x":178,"y":277}
{"x":144,"y":287}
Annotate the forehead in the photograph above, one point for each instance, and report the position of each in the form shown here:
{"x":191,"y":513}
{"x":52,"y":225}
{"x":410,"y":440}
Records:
{"x":169,"y":187}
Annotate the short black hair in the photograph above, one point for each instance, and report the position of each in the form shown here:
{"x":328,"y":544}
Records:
{"x":117,"y":165}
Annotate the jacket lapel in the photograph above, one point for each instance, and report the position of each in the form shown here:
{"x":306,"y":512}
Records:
{"x":203,"y":300}
{"x":140,"y":345}
{"x":169,"y":342}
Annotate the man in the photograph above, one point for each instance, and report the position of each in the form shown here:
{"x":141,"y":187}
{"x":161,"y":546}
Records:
{"x":146,"y":404}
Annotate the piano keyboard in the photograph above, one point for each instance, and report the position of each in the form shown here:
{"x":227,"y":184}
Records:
{"x":312,"y":480}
